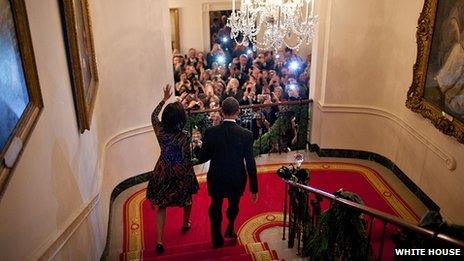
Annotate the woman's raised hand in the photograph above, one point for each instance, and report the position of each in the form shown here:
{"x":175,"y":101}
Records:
{"x":167,"y":92}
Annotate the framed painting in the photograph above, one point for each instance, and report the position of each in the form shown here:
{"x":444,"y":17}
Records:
{"x":20,"y":99}
{"x":81,"y":53}
{"x":437,"y":91}
{"x":175,"y":37}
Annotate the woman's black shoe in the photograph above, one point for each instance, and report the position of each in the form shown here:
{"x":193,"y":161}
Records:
{"x":187,"y":227}
{"x":159,"y":248}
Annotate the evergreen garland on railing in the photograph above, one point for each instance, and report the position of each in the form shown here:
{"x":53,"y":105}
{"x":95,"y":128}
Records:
{"x":201,"y":121}
{"x":340,"y":233}
{"x":281,"y":126}
{"x":302,"y":117}
{"x":197,"y":121}
{"x":278,"y":129}
{"x":300,"y":214}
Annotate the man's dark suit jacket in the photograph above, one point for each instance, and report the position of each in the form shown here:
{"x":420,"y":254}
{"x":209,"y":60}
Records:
{"x":227,"y":146}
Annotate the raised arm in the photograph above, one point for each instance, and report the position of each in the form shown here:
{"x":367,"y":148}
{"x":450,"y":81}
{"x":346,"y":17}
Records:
{"x":154,"y":116}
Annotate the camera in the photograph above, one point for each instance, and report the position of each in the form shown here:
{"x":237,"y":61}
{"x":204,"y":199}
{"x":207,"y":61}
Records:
{"x":194,"y":106}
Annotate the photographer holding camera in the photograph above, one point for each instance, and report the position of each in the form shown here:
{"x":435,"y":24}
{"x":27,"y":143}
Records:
{"x":249,"y":96}
{"x":259,"y":125}
{"x":232,"y":90}
{"x":183,"y":85}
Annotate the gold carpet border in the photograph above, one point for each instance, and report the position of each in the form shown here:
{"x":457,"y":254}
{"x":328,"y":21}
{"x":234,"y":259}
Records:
{"x":248,"y":234}
{"x":266,"y":255}
{"x":255,"y":247}
{"x":134,"y":240}
{"x":134,"y":225}
{"x":377,"y":182}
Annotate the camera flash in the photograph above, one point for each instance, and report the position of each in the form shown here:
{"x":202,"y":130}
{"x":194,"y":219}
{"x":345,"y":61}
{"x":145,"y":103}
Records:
{"x":294,"y":66}
{"x":221,"y":59}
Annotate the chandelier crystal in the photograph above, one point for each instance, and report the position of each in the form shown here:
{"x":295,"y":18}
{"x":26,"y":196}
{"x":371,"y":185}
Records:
{"x":272,"y":24}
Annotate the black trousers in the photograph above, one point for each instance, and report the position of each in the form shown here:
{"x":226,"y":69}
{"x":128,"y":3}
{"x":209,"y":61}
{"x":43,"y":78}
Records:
{"x":215,"y":214}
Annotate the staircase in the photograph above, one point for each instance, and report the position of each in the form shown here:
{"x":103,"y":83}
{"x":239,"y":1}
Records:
{"x":204,"y":251}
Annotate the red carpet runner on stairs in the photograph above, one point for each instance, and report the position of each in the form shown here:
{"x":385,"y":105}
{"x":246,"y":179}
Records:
{"x":139,"y":217}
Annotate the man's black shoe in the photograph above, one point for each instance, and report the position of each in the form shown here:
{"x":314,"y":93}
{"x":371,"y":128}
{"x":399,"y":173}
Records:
{"x":218,"y":243}
{"x":230,"y":233}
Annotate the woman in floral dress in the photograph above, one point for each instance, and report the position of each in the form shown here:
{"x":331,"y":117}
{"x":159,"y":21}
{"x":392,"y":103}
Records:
{"x":173,"y":181}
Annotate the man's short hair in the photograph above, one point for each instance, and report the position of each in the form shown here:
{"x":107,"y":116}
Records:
{"x":230,"y":106}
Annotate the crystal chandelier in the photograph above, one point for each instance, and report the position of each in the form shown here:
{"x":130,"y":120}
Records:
{"x":272,"y":24}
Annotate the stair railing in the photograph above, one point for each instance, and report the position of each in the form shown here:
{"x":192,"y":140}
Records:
{"x":374,"y":215}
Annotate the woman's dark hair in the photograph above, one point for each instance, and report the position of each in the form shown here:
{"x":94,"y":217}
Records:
{"x":174,"y":118}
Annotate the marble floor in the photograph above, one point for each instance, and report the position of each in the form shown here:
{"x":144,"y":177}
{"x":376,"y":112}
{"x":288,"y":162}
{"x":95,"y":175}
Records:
{"x":272,"y":235}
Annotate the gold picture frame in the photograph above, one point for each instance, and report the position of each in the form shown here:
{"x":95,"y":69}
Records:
{"x":15,"y":14}
{"x":175,"y":37}
{"x":82,"y":59}
{"x":433,"y":94}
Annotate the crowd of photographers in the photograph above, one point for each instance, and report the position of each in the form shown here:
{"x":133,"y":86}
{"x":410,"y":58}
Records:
{"x":203,"y":81}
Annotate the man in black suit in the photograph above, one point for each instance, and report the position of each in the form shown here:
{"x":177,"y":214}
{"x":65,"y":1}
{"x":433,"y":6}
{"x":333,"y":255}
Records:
{"x":227,"y":146}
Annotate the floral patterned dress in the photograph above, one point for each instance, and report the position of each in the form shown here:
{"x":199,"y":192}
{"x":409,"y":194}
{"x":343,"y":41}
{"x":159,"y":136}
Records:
{"x":173,"y":181}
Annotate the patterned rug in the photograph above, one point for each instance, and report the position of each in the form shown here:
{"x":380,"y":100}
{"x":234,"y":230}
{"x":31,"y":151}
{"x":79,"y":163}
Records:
{"x":140,"y":228}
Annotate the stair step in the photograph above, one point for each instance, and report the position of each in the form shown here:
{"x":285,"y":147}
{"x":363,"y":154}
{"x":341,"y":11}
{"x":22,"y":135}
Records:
{"x":170,"y":250}
{"x":240,"y":257}
{"x":266,"y":255}
{"x":256,"y":247}
{"x":199,"y":255}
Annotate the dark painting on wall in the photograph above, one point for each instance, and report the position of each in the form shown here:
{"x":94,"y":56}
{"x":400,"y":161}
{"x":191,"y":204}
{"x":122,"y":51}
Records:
{"x":20,"y":96}
{"x":14,"y":95}
{"x":82,"y":58}
{"x":437,"y":90}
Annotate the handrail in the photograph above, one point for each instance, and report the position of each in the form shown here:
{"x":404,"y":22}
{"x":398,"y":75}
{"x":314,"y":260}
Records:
{"x":256,"y":106}
{"x":379,"y":214}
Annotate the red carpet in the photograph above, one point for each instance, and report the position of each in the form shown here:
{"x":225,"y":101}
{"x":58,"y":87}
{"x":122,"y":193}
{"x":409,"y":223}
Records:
{"x":139,"y":218}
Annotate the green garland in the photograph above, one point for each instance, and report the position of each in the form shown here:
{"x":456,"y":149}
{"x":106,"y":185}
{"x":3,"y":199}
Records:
{"x":300,"y":217}
{"x":340,"y":234}
{"x":302,"y":117}
{"x":263,"y":143}
{"x":280,"y":128}
{"x":199,"y":121}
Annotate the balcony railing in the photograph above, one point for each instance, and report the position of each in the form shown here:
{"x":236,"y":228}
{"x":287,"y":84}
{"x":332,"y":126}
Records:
{"x":277,"y":127}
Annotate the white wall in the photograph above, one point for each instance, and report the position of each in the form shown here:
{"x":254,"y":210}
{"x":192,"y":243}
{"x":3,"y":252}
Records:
{"x":194,"y":21}
{"x":363,"y":64}
{"x":56,"y":204}
{"x":56,"y":174}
